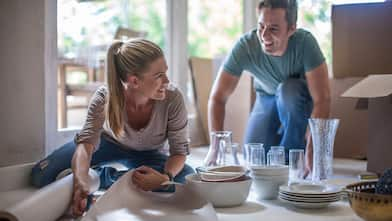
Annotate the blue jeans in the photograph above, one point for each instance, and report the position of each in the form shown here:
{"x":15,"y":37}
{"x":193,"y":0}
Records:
{"x":281,"y":119}
{"x":45,"y":171}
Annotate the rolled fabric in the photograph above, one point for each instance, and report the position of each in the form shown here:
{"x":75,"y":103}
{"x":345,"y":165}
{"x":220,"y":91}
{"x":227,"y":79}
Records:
{"x":48,"y":203}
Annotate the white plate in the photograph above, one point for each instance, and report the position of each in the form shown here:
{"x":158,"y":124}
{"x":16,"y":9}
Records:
{"x":219,"y":174}
{"x":305,"y":205}
{"x":304,"y":199}
{"x":219,"y":177}
{"x":310,"y":189}
{"x":311,"y":195}
{"x":227,"y":169}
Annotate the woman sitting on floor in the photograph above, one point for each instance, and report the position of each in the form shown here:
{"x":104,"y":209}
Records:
{"x":129,"y":121}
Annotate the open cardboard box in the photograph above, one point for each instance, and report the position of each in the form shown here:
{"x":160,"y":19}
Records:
{"x":352,"y":135}
{"x":361,"y":45}
{"x":378,"y":90}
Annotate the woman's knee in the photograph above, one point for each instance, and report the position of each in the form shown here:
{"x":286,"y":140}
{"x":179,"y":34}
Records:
{"x":186,"y":170}
{"x":46,"y":170}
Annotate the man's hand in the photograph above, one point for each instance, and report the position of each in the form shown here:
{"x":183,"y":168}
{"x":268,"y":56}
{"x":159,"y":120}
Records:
{"x":308,"y":163}
{"x":148,"y":179}
{"x":79,"y":197}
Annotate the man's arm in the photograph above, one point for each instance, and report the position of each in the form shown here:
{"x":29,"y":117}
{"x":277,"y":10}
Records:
{"x":318,"y":84}
{"x":319,"y":89}
{"x":223,"y":87}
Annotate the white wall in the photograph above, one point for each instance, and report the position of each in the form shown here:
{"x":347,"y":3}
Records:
{"x":22,"y":87}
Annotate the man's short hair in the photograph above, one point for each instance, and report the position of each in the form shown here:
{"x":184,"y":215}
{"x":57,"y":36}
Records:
{"x":290,"y":6}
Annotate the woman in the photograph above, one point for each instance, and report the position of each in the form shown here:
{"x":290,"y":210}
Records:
{"x":128,"y":121}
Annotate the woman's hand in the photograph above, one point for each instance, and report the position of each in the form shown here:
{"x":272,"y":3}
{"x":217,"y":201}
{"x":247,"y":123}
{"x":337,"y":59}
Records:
{"x":79,"y":197}
{"x":148,"y":179}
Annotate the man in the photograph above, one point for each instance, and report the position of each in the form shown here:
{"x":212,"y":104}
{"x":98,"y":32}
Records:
{"x":290,"y":78}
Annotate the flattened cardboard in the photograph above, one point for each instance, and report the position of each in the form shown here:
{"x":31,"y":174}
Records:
{"x":236,"y":116}
{"x":371,"y":87}
{"x":378,"y":88}
{"x":361,"y":39}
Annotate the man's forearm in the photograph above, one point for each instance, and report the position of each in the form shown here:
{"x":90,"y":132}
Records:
{"x":321,"y":109}
{"x":174,"y":164}
{"x":216,"y":115}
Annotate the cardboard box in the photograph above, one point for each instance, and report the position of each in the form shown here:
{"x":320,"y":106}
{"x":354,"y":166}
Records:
{"x":352,"y":135}
{"x":361,"y":39}
{"x":378,"y":89}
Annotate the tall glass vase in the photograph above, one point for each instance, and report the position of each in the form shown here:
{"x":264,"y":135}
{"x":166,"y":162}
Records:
{"x":323,"y":136}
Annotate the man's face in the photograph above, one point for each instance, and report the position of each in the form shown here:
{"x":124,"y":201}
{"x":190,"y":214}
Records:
{"x":273,"y":31}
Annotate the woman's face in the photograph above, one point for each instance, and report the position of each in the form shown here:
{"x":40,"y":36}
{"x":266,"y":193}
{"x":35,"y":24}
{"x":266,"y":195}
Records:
{"x":154,"y":81}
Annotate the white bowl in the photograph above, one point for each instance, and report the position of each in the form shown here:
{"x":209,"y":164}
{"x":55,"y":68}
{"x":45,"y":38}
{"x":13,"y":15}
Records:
{"x":220,"y":194}
{"x":273,"y":170}
{"x":267,"y":188}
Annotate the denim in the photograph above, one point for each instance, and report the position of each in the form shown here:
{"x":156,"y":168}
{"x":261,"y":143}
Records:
{"x":46,"y":171}
{"x":281,"y":119}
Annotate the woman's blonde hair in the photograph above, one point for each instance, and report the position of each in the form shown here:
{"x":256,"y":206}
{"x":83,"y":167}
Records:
{"x":132,"y":57}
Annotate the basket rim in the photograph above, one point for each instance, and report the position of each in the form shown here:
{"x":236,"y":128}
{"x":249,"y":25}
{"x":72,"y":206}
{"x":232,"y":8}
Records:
{"x":364,"y":194}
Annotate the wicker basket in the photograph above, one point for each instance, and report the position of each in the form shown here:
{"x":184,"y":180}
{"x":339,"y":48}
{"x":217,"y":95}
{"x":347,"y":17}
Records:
{"x":368,"y":205}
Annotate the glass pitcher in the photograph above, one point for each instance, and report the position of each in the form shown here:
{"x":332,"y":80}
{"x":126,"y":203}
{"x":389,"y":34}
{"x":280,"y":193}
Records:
{"x":220,"y":146}
{"x":323,"y":136}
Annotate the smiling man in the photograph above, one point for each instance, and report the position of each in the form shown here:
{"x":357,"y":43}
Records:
{"x":290,"y":79}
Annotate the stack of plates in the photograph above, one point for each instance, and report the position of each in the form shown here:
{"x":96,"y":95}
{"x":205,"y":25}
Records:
{"x":309,"y":195}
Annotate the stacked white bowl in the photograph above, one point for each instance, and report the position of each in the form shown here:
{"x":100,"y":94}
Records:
{"x":267,"y":179}
{"x":225,"y":186}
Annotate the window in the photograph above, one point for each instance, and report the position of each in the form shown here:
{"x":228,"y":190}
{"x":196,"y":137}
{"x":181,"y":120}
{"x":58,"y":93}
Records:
{"x":80,"y":30}
{"x":85,"y":30}
{"x":213,"y":26}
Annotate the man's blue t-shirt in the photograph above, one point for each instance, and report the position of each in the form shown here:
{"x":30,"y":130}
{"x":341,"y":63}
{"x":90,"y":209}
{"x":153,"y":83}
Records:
{"x":302,"y":55}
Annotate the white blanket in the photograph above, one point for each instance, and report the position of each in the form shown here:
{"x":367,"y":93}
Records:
{"x":123,"y":201}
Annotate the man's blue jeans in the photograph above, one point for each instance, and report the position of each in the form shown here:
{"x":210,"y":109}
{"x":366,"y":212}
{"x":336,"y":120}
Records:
{"x":281,"y":119}
{"x":45,"y":171}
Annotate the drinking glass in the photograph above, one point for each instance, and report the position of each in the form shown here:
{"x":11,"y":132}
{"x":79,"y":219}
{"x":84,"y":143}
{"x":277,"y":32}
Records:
{"x":296,"y":165}
{"x":254,"y":154}
{"x":276,"y":156}
{"x":235,"y":148}
{"x":220,"y":142}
